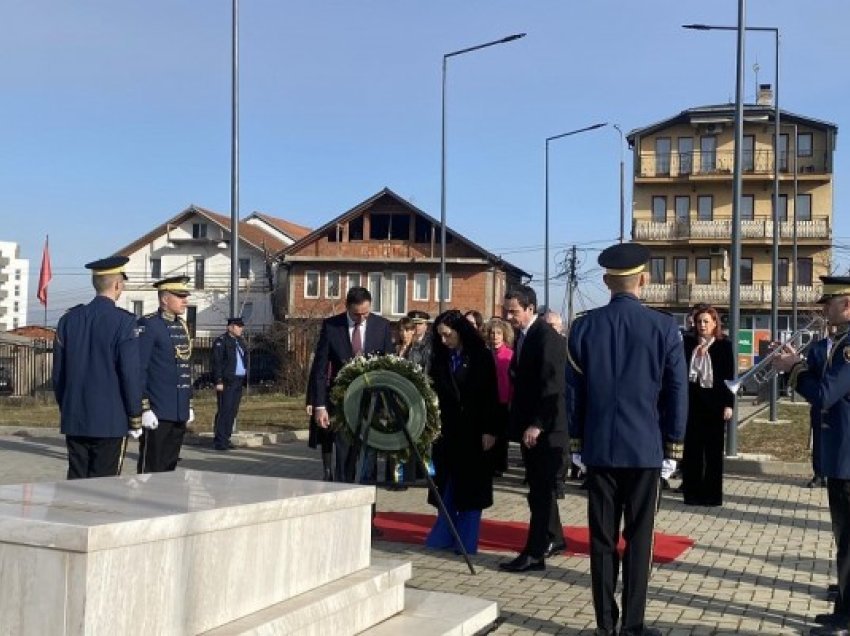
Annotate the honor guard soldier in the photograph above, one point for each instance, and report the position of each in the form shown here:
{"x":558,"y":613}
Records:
{"x":166,"y":349}
{"x":96,"y":377}
{"x":229,"y":367}
{"x":826,"y":390}
{"x":628,"y":410}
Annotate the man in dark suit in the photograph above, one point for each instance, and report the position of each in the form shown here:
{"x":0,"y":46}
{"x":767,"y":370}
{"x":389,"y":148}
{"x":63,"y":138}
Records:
{"x":538,"y":422}
{"x":354,"y":332}
{"x":229,"y":368}
{"x":629,"y":388}
{"x":96,"y":377}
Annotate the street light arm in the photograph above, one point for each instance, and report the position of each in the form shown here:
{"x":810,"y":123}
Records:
{"x":575,"y":132}
{"x":714,"y":27}
{"x":510,"y":38}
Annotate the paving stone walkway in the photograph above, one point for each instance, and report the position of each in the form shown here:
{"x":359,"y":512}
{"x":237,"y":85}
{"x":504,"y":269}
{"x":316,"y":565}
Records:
{"x":760,"y":564}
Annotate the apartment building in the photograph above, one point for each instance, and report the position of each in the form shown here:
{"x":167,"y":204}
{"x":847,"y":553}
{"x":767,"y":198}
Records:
{"x":14,"y":286}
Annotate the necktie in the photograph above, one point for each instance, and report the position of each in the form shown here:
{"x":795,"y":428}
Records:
{"x":356,"y":340}
{"x":520,"y":339}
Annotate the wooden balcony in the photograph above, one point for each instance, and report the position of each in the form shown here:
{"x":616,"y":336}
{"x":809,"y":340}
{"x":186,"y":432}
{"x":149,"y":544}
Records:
{"x":721,"y":230}
{"x":757,"y":294}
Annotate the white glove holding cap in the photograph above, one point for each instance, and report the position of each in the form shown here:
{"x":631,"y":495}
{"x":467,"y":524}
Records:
{"x":576,"y":459}
{"x":150,"y":420}
{"x":668,"y":467}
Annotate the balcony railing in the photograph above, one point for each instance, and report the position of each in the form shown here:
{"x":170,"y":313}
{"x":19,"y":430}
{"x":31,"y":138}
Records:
{"x":718,"y":294}
{"x":721,"y":229}
{"x":720,"y":162}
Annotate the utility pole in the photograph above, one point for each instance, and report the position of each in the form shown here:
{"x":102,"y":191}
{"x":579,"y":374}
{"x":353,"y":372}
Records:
{"x":572,"y":283}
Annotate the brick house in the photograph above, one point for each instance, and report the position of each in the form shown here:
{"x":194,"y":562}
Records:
{"x":391,"y":247}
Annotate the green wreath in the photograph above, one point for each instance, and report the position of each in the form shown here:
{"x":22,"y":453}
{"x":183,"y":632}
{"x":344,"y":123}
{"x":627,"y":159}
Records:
{"x":403,"y":395}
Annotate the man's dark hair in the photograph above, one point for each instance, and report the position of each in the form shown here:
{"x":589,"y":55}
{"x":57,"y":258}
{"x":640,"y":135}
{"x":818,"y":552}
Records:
{"x":524,"y":295}
{"x":357,"y":295}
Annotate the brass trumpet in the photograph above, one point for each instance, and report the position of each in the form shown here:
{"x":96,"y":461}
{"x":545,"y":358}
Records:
{"x":763,"y":371}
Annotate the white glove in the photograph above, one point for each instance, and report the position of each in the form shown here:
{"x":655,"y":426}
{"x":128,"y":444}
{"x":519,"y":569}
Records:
{"x":576,"y":459}
{"x":150,"y":420}
{"x":135,"y":433}
{"x":668,"y":467}
{"x":191,"y":416}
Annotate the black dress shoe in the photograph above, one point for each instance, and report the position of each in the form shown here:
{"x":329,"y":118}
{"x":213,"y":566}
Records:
{"x":832,"y":593}
{"x":829,"y":619}
{"x":643,"y":631}
{"x":601,"y":631}
{"x":221,"y":448}
{"x":554,"y":549}
{"x":523,"y":563}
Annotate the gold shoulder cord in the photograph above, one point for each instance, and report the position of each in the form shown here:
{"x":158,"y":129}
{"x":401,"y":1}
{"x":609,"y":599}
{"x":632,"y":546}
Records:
{"x":184,"y":352}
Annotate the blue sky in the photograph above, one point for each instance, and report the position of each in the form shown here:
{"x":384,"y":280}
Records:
{"x":116,"y":114}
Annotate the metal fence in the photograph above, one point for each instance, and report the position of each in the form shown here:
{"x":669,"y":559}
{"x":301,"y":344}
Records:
{"x":25,"y":367}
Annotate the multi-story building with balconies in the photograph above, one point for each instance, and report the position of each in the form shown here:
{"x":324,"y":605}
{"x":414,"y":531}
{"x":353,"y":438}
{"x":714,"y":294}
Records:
{"x":682,"y":209}
{"x":14,"y":286}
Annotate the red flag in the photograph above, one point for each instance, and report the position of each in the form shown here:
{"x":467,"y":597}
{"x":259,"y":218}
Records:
{"x":45,"y":275}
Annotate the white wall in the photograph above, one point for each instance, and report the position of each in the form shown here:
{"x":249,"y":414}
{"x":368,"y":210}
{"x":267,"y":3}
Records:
{"x":14,"y":286}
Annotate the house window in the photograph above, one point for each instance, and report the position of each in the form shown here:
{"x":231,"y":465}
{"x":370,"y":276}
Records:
{"x":332,"y":285}
{"x":334,"y":234}
{"x":400,"y":227}
{"x":804,"y":145}
{"x":422,"y":230}
{"x":16,"y":307}
{"x":804,"y":271}
{"x":448,"y":297}
{"x":783,"y":207}
{"x":247,"y":311}
{"x":17,"y":274}
{"x":199,"y":273}
{"x":747,"y":207}
{"x":804,"y":207}
{"x":656,"y":270}
{"x":192,"y":319}
{"x":686,"y":155}
{"x":399,"y":294}
{"x":199,"y":230}
{"x":783,"y":152}
{"x":355,"y":229}
{"x":782,"y":277}
{"x":353,"y":279}
{"x":708,"y":153}
{"x":705,"y":207}
{"x":138,"y":308}
{"x":156,"y":268}
{"x":662,"y":155}
{"x":14,"y":323}
{"x":746,"y":271}
{"x":420,"y":286}
{"x":680,"y":269}
{"x":748,"y":155}
{"x":379,"y":227}
{"x":376,"y":283}
{"x":17,"y":290}
{"x":703,"y":271}
{"x":683,"y":208}
{"x":244,"y":268}
{"x":659,"y":209}
{"x":311,"y":284}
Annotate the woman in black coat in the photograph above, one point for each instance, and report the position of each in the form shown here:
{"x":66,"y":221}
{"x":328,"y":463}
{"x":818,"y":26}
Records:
{"x":464,"y":376}
{"x":709,"y":357}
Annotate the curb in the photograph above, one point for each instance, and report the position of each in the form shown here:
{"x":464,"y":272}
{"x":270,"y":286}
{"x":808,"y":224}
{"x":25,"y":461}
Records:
{"x":247,"y":439}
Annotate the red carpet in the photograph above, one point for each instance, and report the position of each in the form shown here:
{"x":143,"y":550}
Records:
{"x":509,"y":536}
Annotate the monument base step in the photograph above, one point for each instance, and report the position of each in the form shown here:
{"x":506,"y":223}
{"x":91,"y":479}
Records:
{"x":346,"y":606}
{"x":438,"y":614}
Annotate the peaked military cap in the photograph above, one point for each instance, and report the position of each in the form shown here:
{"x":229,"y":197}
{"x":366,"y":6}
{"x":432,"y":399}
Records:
{"x":236,"y":321}
{"x":624,"y":259}
{"x":834,"y":286}
{"x":110,"y":265}
{"x":177,"y":285}
{"x":418,"y":316}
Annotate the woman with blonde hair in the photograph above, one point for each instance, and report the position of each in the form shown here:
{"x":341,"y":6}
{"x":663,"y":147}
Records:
{"x":500,"y":339}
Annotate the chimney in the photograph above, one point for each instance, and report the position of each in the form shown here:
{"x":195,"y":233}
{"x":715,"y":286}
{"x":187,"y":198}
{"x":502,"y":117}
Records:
{"x":765,"y":96}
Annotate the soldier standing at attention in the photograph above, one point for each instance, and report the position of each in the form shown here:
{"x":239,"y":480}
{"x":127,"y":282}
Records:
{"x":96,"y":377}
{"x":629,"y":407}
{"x":229,"y":368}
{"x":166,"y":348}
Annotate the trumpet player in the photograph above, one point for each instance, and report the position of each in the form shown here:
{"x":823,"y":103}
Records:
{"x":828,"y":392}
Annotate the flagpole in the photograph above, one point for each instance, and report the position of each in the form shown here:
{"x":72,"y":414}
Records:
{"x":46,"y":245}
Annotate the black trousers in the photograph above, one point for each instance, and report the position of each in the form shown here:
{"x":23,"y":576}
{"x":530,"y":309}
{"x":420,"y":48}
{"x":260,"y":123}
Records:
{"x":702,"y":462}
{"x":159,"y":449}
{"x":228,"y":407}
{"x":500,"y":448}
{"x":542,"y":464}
{"x":838,"y":491}
{"x":615,"y":495}
{"x":94,"y":456}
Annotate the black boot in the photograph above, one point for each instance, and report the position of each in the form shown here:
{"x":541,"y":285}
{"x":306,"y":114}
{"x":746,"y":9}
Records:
{"x":327,"y":466}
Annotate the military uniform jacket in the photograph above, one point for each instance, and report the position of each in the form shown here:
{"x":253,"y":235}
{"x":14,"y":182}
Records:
{"x":96,"y":377}
{"x":165,"y":348}
{"x":224,"y":358}
{"x":628,"y":386}
{"x":828,"y":392}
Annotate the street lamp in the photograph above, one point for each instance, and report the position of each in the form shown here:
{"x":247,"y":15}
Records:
{"x":622,"y":184}
{"x":234,"y":167}
{"x":505,"y":40}
{"x":546,"y":216}
{"x":774,"y":264}
{"x":735,"y":276}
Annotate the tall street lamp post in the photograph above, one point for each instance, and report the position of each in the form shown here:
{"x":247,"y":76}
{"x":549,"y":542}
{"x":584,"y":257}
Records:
{"x":234,"y":168}
{"x":774,"y":264}
{"x":622,"y":184}
{"x":735,"y":277}
{"x":546,"y":216}
{"x":446,"y":57}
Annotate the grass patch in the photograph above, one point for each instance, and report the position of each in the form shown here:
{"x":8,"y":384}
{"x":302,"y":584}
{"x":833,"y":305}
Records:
{"x":270,"y":412}
{"x":787,"y":441}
